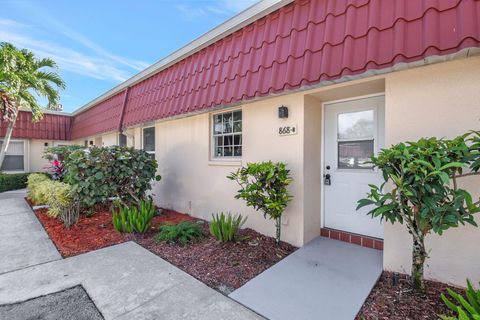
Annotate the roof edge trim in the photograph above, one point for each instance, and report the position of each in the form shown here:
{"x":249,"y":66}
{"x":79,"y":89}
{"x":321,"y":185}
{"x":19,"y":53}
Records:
{"x":226,"y":28}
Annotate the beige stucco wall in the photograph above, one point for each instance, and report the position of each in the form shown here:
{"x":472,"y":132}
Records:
{"x":110,"y":139}
{"x":441,"y":100}
{"x":36,"y":150}
{"x":194,"y":183}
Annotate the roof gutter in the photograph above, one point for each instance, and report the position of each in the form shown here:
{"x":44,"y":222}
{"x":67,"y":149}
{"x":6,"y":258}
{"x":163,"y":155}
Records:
{"x":228,"y":27}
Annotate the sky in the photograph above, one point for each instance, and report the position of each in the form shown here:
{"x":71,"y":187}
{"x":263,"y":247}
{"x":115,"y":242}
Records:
{"x":99,"y":44}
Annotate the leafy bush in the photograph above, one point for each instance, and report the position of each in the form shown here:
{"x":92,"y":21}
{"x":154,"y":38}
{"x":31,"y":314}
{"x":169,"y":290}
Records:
{"x":468,"y":308}
{"x":97,"y":174}
{"x":61,"y":152}
{"x":264,"y":187}
{"x":134,"y":219}
{"x":224,"y":227}
{"x":425,"y":195}
{"x":182,"y":233}
{"x":35,"y":187}
{"x":13,"y":181}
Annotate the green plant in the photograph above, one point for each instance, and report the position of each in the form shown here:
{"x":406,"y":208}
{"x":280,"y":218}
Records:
{"x":58,"y":196}
{"x":421,"y":189}
{"x":98,"y":174}
{"x":224,"y":227}
{"x":24,"y":79}
{"x":35,"y":187}
{"x":264,"y":187}
{"x":134,"y":218}
{"x":182,"y":233}
{"x":468,"y":308}
{"x":13,"y":181}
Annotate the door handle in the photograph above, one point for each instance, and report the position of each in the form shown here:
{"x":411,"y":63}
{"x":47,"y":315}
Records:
{"x":327,"y":180}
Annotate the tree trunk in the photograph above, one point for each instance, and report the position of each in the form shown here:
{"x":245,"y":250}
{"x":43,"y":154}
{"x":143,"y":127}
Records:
{"x":278,"y":225}
{"x":419,"y":255}
{"x":6,"y":140}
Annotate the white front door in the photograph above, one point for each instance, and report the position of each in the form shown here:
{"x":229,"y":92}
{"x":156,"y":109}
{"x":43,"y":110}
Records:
{"x":354,"y":130}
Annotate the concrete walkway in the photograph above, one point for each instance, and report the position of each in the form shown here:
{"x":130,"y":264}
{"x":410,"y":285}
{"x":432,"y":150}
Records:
{"x":23,"y":241}
{"x":326,"y":279}
{"x":124,"y":281}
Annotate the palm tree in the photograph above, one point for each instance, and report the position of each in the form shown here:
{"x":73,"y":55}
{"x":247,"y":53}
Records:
{"x":23,"y":79}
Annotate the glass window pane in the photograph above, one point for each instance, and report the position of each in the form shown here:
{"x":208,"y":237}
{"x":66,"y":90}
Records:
{"x":12,"y":163}
{"x":227,"y":140}
{"x":355,"y":154}
{"x":227,"y":151}
{"x":217,"y":124}
{"x":122,"y":140}
{"x":149,"y":139}
{"x":218,"y":151}
{"x":237,"y":139}
{"x":237,"y":126}
{"x":237,"y":151}
{"x":356,"y":125}
{"x":227,"y":122}
{"x":237,"y":115}
{"x":15,"y":148}
{"x":218,"y":141}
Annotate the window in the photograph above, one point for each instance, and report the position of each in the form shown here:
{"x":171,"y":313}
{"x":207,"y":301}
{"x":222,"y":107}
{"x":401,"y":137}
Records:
{"x":122,"y":140}
{"x":227,"y":134}
{"x":355,"y":138}
{"x":149,"y":141}
{"x":14,"y":158}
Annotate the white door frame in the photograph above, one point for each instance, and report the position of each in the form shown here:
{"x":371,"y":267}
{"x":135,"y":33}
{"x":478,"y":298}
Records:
{"x":322,"y":151}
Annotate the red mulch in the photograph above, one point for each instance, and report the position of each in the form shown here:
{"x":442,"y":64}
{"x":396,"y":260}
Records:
{"x":223,"y":266}
{"x":90,"y":233}
{"x":387,"y":301}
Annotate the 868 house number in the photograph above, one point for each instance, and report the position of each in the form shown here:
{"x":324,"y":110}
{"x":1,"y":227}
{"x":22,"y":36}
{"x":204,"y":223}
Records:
{"x":287,"y":130}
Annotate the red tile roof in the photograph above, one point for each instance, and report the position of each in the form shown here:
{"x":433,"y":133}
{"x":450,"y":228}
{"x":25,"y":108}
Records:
{"x":51,"y":127}
{"x":301,"y":44}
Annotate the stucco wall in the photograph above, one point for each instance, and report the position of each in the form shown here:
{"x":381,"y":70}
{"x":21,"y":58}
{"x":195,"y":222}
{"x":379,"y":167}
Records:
{"x":441,"y":100}
{"x":110,"y":139}
{"x":194,"y":183}
{"x":36,"y":149}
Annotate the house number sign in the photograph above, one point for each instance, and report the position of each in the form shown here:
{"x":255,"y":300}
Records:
{"x":287,"y":130}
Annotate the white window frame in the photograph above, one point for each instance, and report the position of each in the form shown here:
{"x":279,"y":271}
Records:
{"x":213,"y":156}
{"x":26,"y":156}
{"x":143,"y":142}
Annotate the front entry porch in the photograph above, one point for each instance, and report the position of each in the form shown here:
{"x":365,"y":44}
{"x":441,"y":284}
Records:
{"x":325,"y":279}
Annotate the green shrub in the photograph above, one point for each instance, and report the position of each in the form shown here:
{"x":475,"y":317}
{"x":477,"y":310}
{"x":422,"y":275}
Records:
{"x":60,"y":152}
{"x":420,"y":189}
{"x":182,"y":233}
{"x":58,"y":197}
{"x":134,"y":219}
{"x":224,"y":227}
{"x":35,"y":187}
{"x":13,"y":181}
{"x":97,"y":174}
{"x":264,"y":187}
{"x":468,"y":308}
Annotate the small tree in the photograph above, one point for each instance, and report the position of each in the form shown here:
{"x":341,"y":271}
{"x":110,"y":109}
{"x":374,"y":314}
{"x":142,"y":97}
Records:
{"x":264,"y":187}
{"x":23,"y":78}
{"x":425,"y":194}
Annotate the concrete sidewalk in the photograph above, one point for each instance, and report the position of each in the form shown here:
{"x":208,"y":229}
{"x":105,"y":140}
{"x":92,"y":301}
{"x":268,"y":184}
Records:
{"x":326,"y":279}
{"x":23,"y":241}
{"x":124,"y":281}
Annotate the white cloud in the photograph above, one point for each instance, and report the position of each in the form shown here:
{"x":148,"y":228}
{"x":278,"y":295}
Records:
{"x":68,"y":59}
{"x":214,"y":8}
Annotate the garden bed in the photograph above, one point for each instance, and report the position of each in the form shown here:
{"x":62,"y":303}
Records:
{"x":398,"y":302}
{"x":222,"y":266}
